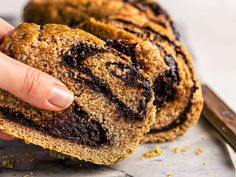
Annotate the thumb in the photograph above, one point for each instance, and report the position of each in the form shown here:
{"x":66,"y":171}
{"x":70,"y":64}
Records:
{"x":33,"y":86}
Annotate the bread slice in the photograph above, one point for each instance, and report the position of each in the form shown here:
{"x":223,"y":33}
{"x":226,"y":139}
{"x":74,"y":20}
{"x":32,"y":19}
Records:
{"x":113,"y":105}
{"x":177,"y":90}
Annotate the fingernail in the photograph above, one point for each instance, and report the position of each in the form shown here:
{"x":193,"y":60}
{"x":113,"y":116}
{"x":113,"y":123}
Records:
{"x":61,"y":97}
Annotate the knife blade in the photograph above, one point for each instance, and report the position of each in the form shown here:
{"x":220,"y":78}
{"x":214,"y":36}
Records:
{"x":232,"y":155}
{"x":220,"y":116}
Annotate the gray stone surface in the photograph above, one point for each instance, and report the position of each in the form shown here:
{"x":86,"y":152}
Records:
{"x":213,"y":162}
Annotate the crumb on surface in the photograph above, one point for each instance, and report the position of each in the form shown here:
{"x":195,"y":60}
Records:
{"x":165,"y":164}
{"x":180,"y":149}
{"x":169,"y":175}
{"x":199,"y":151}
{"x":30,"y":154}
{"x":10,"y":161}
{"x":31,"y":174}
{"x":27,"y":142}
{"x":177,"y":149}
{"x":157,"y":152}
{"x":58,"y":155}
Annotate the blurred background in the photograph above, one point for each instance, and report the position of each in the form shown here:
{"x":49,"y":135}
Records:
{"x":209,"y":29}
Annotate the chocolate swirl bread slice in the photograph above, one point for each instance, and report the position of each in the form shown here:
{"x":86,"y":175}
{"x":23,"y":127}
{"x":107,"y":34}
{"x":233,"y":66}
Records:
{"x":113,"y":104}
{"x":177,"y":90}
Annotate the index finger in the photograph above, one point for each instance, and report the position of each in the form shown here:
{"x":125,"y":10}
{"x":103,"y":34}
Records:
{"x":5,"y":28}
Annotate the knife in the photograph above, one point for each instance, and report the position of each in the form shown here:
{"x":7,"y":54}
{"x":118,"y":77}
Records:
{"x":223,"y":119}
{"x":220,"y":116}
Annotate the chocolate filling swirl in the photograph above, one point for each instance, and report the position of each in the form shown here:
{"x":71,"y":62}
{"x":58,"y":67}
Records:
{"x":123,"y":47}
{"x":182,"y":118}
{"x":157,"y":10}
{"x":164,"y":84}
{"x":74,"y":58}
{"x":74,"y":125}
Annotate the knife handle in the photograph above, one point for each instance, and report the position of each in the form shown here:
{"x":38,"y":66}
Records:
{"x":220,"y":116}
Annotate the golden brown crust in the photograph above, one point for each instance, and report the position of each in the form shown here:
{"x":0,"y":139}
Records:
{"x":112,"y":125}
{"x":72,"y":12}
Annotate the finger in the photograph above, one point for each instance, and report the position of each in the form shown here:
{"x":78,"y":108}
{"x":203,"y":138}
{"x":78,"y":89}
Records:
{"x":33,"y":86}
{"x":7,"y":137}
{"x":5,"y":28}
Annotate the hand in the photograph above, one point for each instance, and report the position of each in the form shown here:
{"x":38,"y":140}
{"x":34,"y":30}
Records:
{"x":29,"y":84}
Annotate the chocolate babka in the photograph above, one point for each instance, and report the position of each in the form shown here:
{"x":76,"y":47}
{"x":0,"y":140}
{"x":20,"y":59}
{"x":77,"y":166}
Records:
{"x":113,"y":105}
{"x":129,"y":25}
